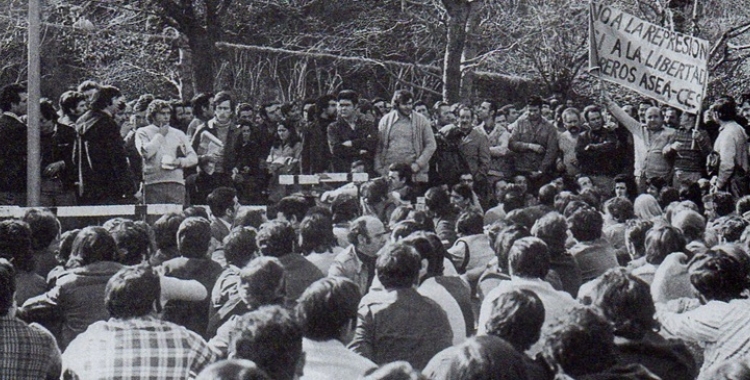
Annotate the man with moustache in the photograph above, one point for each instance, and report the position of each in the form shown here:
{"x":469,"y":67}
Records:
{"x":474,"y":147}
{"x":534,"y":140}
{"x":568,"y":161}
{"x":595,"y":150}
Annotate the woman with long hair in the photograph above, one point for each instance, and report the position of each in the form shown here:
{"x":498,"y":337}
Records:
{"x":284,"y":158}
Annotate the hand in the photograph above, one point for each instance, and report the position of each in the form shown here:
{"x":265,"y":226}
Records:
{"x":536,"y":148}
{"x":54,"y":168}
{"x":348,"y":143}
{"x":415,"y":168}
{"x":164,"y":129}
{"x":676,"y":145}
{"x":363,"y":151}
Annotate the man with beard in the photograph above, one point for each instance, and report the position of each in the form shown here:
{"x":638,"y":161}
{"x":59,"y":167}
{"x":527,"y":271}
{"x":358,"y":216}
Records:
{"x":103,"y":173}
{"x":404,"y":136}
{"x":13,"y":102}
{"x":534,"y":140}
{"x":350,"y":137}
{"x":595,"y":150}
{"x":218,"y":135}
{"x":568,"y":162}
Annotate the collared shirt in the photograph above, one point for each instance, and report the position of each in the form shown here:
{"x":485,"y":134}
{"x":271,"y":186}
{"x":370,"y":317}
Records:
{"x":348,"y":264}
{"x":594,"y":258}
{"x":27,"y":351}
{"x":137,"y":348}
{"x":332,"y":360}
{"x":11,"y":114}
{"x":731,"y":144}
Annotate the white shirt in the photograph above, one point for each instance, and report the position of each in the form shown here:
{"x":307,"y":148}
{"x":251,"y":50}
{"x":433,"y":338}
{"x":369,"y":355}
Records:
{"x":332,"y":360}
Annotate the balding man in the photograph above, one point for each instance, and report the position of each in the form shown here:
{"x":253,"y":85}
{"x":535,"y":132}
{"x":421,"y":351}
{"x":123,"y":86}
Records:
{"x":367,"y":235}
{"x":649,"y":140}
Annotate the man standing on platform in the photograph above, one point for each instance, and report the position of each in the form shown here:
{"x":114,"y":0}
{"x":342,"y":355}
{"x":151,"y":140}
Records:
{"x":534,"y":140}
{"x":13,"y":101}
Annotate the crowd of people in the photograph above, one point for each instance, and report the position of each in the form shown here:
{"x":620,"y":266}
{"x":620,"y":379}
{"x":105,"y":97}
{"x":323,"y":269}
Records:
{"x":535,"y":242}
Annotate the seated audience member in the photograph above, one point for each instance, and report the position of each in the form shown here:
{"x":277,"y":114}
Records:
{"x":239,"y":249}
{"x":328,"y":313}
{"x":497,"y":269}
{"x":272,"y":339}
{"x":480,"y":357}
{"x":498,"y":212}
{"x":62,"y":255}
{"x":28,"y":350}
{"x":374,"y":199}
{"x":617,"y":211}
{"x":261,"y":283}
{"x":193,"y":239}
{"x":692,"y":225}
{"x":317,"y":242}
{"x":552,"y":229}
{"x":452,"y":293}
{"x":400,"y":184}
{"x":399,"y":323}
{"x":625,"y":300}
{"x":438,"y":206}
{"x":277,"y":239}
{"x":593,"y":254}
{"x":635,"y":238}
{"x":45,"y":232}
{"x":344,"y":210}
{"x":224,"y":205}
{"x":724,"y":229}
{"x":720,"y":323}
{"x":400,"y":369}
{"x":734,"y":369}
{"x":199,"y":185}
{"x":528,"y":264}
{"x":250,"y":217}
{"x":291,"y":209}
{"x":78,"y":296}
{"x":15,"y":246}
{"x":132,"y":241}
{"x":581,"y":346}
{"x":233,"y":369}
{"x":367,"y":235}
{"x":660,"y":242}
{"x":472,"y":248}
{"x":646,"y":207}
{"x":165,"y":229}
{"x":133,"y":342}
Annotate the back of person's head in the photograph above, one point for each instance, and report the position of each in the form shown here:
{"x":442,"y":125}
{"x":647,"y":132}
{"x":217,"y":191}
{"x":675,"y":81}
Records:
{"x":327,"y":307}
{"x":91,"y":245}
{"x":400,"y":214}
{"x":344,"y":208}
{"x":621,"y":209}
{"x":667,"y":195}
{"x":249,"y":217}
{"x":199,"y":102}
{"x":194,"y":237}
{"x":586,"y":224}
{"x":233,"y":369}
{"x":69,"y":100}
{"x":15,"y":244}
{"x":262,"y":282}
{"x":9,"y":94}
{"x":517,"y":316}
{"x":220,"y":200}
{"x":316,"y":231}
{"x":7,"y":285}
{"x":240,"y":246}
{"x":625,"y":300}
{"x":374,"y":191}
{"x":293,"y":207}
{"x":661,"y":241}
{"x":732,"y":369}
{"x":272,"y":339}
{"x":580,"y":343}
{"x":196,"y":211}
{"x":721,"y":273}
{"x":45,"y":227}
{"x":438,"y":201}
{"x":403,"y":229}
{"x":132,"y":243}
{"x":398,"y":267}
{"x":66,"y":245}
{"x":529,"y":258}
{"x":547,"y":195}
{"x":104,"y":97}
{"x":646,"y":207}
{"x":691,"y":223}
{"x":635,"y":236}
{"x":743,"y":205}
{"x":723,"y":203}
{"x":276,"y":238}
{"x":725,"y":229}
{"x":430,"y":248}
{"x":470,"y":223}
{"x":552,"y":228}
{"x":165,"y":230}
{"x":398,"y":370}
{"x":134,"y":291}
{"x":725,"y":108}
{"x":523,"y":216}
{"x":504,"y":241}
{"x":563,"y":198}
{"x":483,"y":358}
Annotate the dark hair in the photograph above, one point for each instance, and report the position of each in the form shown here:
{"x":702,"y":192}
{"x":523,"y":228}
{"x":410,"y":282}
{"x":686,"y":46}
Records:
{"x":276,"y":238}
{"x":7,"y":286}
{"x":581,"y":343}
{"x":547,"y":194}
{"x":667,"y":195}
{"x":430,"y":248}
{"x":326,"y":306}
{"x":344,"y":208}
{"x":272,"y":339}
{"x":552,"y":229}
{"x":723,"y":203}
{"x":132,"y":242}
{"x":16,"y":244}
{"x":263,"y":277}
{"x":661,"y":241}
{"x":728,"y":227}
{"x":249,"y":217}
{"x":241,"y":107}
{"x":517,"y":316}
{"x":132,"y":292}
{"x":625,"y":300}
{"x":47,"y":110}
{"x":199,"y":102}
{"x":721,"y":273}
{"x":401,"y":97}
{"x":165,"y":230}
{"x":91,"y":245}
{"x":104,"y":97}
{"x":221,"y":97}
{"x":66,"y":245}
{"x":635,"y":233}
{"x":743,"y":205}
{"x":470,"y":223}
{"x":69,"y":100}
{"x":725,"y":108}
{"x":588,"y":110}
{"x":586,"y":224}
{"x":529,"y":258}
{"x":398,"y":267}
{"x":155,"y":107}
{"x":374,"y":191}
{"x":233,"y":369}
{"x":10,"y":94}
{"x":403,"y":229}
{"x":142,"y":103}
{"x":621,"y":209}
{"x":534,"y":101}
{"x":438,"y":201}
{"x":463,"y":190}
{"x":316,"y":231}
{"x":349,"y":95}
{"x":404,"y":171}
{"x":240,"y":246}
{"x":220,"y":200}
{"x":293,"y":139}
{"x":483,"y":358}
{"x":196,"y":211}
{"x":504,"y":241}
{"x":292,"y":206}
{"x":194,"y":237}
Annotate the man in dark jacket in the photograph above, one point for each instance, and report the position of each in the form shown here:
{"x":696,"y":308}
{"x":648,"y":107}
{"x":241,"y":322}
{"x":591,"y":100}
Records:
{"x":13,"y":100}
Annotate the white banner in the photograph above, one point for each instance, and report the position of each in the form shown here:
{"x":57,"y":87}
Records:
{"x":667,"y":66}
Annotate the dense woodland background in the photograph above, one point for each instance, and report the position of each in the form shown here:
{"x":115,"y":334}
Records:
{"x":456,"y":50}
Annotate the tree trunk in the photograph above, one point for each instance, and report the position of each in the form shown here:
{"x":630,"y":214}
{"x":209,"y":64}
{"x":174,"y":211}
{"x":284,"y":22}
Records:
{"x":203,"y":53}
{"x":470,"y":51}
{"x":458,"y":15}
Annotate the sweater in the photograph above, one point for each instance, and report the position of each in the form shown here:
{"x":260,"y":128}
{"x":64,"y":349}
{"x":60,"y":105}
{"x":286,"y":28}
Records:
{"x":153,"y":147}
